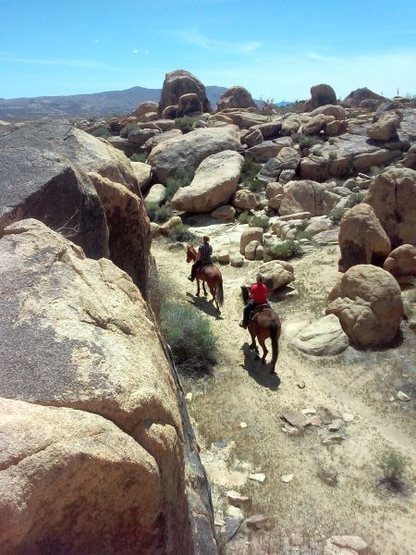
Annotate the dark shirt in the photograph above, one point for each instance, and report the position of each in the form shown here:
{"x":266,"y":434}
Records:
{"x":205,"y":251}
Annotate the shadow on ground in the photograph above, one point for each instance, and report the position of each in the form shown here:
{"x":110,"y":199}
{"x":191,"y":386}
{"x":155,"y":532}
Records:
{"x":202,"y":303}
{"x":257,"y":370}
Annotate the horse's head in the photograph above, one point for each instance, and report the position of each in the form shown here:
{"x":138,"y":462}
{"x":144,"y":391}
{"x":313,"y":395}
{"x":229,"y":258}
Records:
{"x":190,"y":253}
{"x":245,"y":293}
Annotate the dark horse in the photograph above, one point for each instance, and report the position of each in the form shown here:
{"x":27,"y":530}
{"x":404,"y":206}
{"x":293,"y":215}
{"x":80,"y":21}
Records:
{"x":209,"y":274}
{"x":264,"y":324}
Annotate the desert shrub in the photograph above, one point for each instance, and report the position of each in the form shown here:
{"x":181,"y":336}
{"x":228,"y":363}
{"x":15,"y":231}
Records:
{"x":393,"y":465}
{"x":124,"y":131}
{"x":259,"y":220}
{"x":101,"y":131}
{"x":181,"y":233}
{"x":283,"y":251}
{"x":336,"y":214}
{"x":333,"y":155}
{"x":186,"y":123}
{"x":303,"y":234}
{"x":356,"y":198}
{"x":248,"y":175}
{"x":138,"y":157}
{"x":190,"y":337}
{"x":244,"y":217}
{"x":158,"y":214}
{"x":182,"y":179}
{"x":306,"y":141}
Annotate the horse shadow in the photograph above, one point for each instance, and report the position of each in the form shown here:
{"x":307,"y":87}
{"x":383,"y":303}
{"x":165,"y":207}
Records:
{"x":257,"y":370}
{"x":202,"y":303}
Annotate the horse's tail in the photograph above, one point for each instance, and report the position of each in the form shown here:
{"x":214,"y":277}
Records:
{"x":274,"y":336}
{"x":220,"y":293}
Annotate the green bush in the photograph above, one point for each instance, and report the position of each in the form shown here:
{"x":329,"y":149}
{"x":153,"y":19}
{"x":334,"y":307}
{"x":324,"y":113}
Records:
{"x":244,"y":217}
{"x":259,"y":220}
{"x":101,"y":131}
{"x":182,"y":179}
{"x":181,"y":233}
{"x":186,"y":123}
{"x":248,"y":175}
{"x":306,"y":141}
{"x":158,"y":214}
{"x":283,"y":251}
{"x":393,"y":465}
{"x":190,"y":337}
{"x":138,"y":157}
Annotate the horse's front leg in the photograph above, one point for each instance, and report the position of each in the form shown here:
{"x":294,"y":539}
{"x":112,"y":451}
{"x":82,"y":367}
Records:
{"x":198,"y":285}
{"x":203,"y":287}
{"x":253,"y":345}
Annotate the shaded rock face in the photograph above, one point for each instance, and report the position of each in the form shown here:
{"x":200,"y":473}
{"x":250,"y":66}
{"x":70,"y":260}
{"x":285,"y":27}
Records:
{"x":48,"y":181}
{"x":38,"y":184}
{"x":214,"y":183}
{"x":321,"y":95}
{"x":368,"y":304}
{"x":187,"y":151}
{"x":188,"y":105}
{"x":128,"y":229}
{"x":110,"y":454}
{"x":356,"y":97}
{"x":362,"y":239}
{"x":393,"y":197}
{"x":178,"y":83}
{"x":236,"y":97}
{"x":323,"y":337}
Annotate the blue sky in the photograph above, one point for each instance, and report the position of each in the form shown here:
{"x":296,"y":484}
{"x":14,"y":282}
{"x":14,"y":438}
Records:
{"x":277,"y":49}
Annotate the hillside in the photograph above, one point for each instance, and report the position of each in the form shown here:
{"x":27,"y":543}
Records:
{"x":82,"y":105}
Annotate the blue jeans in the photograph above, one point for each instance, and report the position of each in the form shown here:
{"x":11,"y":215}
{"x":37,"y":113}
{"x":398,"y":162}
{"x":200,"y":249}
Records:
{"x":249,"y":307}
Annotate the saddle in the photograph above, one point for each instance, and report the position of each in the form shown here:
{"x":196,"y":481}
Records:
{"x":259,"y":308}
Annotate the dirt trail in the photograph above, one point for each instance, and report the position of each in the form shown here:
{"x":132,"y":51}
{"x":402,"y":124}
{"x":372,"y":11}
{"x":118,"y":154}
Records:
{"x":306,"y":510}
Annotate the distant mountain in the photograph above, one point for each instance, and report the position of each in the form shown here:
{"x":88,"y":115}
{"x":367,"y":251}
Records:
{"x":111,"y":103}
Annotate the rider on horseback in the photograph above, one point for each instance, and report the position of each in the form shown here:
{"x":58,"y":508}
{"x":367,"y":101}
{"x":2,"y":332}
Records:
{"x":205,"y":252}
{"x":258,"y":296}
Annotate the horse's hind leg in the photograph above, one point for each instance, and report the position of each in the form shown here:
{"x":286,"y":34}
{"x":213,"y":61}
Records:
{"x":253,"y":345}
{"x":265,"y":351}
{"x":198,"y":284}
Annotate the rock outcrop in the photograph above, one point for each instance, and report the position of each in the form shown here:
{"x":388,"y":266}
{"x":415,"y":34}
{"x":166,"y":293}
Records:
{"x":214,"y":183}
{"x":178,"y":83}
{"x":362,"y":239}
{"x":401,"y":263}
{"x":356,"y":97}
{"x":96,"y":433}
{"x":187,"y":151}
{"x":368,"y":304}
{"x":236,"y":97}
{"x":321,"y":95}
{"x":392,"y":195}
{"x":307,"y":196}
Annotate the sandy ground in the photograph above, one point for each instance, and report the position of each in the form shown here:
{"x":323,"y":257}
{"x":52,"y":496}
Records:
{"x":305,"y":511}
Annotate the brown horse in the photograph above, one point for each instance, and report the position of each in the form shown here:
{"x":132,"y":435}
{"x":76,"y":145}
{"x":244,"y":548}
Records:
{"x":209,"y":274}
{"x":264,"y":324}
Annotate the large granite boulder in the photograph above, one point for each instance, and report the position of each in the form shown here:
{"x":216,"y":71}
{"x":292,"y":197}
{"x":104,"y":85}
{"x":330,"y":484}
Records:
{"x":214,"y":183}
{"x":187,"y":151}
{"x":78,"y":336}
{"x":189,"y":104}
{"x":320,"y":95}
{"x":346,"y":155}
{"x":362,"y":239}
{"x":368,"y":304}
{"x":322,"y":337}
{"x":178,"y":83}
{"x":74,"y":146}
{"x":356,"y":97}
{"x":143,"y":174}
{"x":236,"y":97}
{"x":40,"y":184}
{"x":276,"y":274}
{"x":385,"y":128}
{"x":392,"y":195}
{"x":149,"y":106}
{"x":307,"y":196}
{"x":60,"y":466}
{"x":401,"y":263}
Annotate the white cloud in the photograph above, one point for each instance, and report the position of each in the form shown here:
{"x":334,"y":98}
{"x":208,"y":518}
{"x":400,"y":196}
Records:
{"x":197,"y":39}
{"x":96,"y":41}
{"x":135,"y":51}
